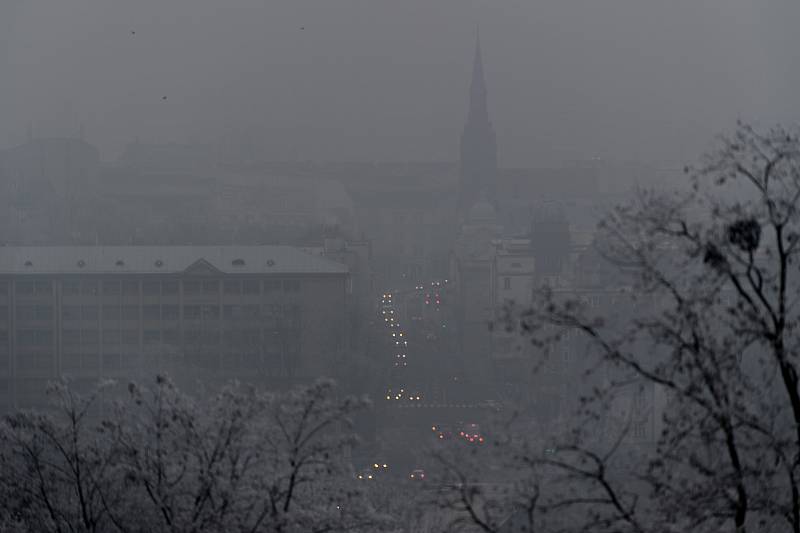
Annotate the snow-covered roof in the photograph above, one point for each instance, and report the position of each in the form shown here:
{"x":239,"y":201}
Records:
{"x":162,"y":260}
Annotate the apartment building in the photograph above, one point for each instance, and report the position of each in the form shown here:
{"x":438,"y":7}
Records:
{"x":262,"y":313}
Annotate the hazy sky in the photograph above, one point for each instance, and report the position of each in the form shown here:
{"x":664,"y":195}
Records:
{"x":387,"y":79}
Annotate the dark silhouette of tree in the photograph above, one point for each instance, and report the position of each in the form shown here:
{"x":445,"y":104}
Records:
{"x":240,"y":460}
{"x":711,"y":323}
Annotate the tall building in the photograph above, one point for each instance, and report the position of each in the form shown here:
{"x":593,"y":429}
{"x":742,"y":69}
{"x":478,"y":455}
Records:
{"x":471,"y":275}
{"x":478,"y":169}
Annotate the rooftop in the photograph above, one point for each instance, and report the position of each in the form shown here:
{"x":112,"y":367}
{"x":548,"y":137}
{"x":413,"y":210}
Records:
{"x":163,"y":260}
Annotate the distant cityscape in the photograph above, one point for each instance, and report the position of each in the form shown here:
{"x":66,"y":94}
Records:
{"x":212,"y":264}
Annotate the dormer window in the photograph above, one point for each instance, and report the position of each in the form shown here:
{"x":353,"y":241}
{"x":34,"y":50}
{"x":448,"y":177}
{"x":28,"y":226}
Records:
{"x":81,"y":263}
{"x":159,"y":263}
{"x":120,"y":263}
{"x":238,"y":262}
{"x":28,"y":263}
{"x":270,"y":263}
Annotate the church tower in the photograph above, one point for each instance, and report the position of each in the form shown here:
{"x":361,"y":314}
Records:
{"x":478,"y":144}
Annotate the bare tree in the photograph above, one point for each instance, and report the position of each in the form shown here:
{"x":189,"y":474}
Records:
{"x":711,"y":321}
{"x":58,"y":472}
{"x":239,"y":460}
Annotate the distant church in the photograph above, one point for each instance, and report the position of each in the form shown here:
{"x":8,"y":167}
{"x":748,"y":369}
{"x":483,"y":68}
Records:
{"x":478,"y":161}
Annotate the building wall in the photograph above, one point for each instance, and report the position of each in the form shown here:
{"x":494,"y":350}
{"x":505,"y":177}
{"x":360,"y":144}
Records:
{"x":199,"y":326}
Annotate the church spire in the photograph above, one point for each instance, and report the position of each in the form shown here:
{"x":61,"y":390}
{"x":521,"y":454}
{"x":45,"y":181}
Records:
{"x":477,"y":91}
{"x":478,"y":143}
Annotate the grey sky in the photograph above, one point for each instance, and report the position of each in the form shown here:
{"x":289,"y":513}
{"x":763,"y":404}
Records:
{"x":387,"y":79}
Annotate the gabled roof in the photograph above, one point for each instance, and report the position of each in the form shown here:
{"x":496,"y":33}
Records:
{"x":162,"y":260}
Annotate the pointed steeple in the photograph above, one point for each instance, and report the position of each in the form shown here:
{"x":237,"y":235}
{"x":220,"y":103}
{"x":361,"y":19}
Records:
{"x":478,"y":143}
{"x":477,"y":91}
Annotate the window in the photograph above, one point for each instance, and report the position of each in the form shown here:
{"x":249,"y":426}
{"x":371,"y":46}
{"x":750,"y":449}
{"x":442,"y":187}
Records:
{"x":26,"y":312}
{"x":151,"y":336}
{"x":70,"y":288}
{"x":3,"y":288}
{"x":111,"y":287}
{"x":291,"y":285}
{"x":507,"y":283}
{"x":130,"y":287}
{"x":639,"y":401}
{"x":43,"y":287}
{"x":292,"y":315}
{"x":171,"y":336}
{"x":191,"y":287}
{"x":151,"y":288}
{"x":516,"y":265}
{"x":25,"y":288}
{"x":89,"y":288}
{"x":251,"y":286}
{"x":90,"y":337}
{"x":111,"y":312}
{"x":71,"y":337}
{"x":229,"y":338}
{"x":129,"y":336}
{"x":192,"y":336}
{"x":251,"y":336}
{"x":191,"y":312}
{"x":169,"y":287}
{"x":111,"y":336}
{"x":130,"y":312}
{"x":639,"y":430}
{"x":43,"y":337}
{"x":89,"y":312}
{"x":272,"y":286}
{"x":151,"y":312}
{"x":44,"y":312}
{"x":233,"y":287}
{"x":210,"y":312}
{"x":210,"y":338}
{"x":211,"y":287}
{"x":170,"y":312}
{"x":26,"y":337}
{"x":241,"y":312}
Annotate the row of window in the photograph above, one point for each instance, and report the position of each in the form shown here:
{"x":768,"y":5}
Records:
{"x":152,"y":288}
{"x":271,"y":362}
{"x":91,"y":337}
{"x":33,"y":287}
{"x":91,"y":362}
{"x":149,"y":312}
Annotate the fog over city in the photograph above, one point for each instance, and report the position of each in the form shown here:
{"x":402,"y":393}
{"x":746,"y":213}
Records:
{"x":372,"y":266}
{"x":360,"y":80}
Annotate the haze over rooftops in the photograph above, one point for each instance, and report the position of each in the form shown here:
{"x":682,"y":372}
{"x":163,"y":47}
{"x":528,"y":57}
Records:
{"x":162,"y":260}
